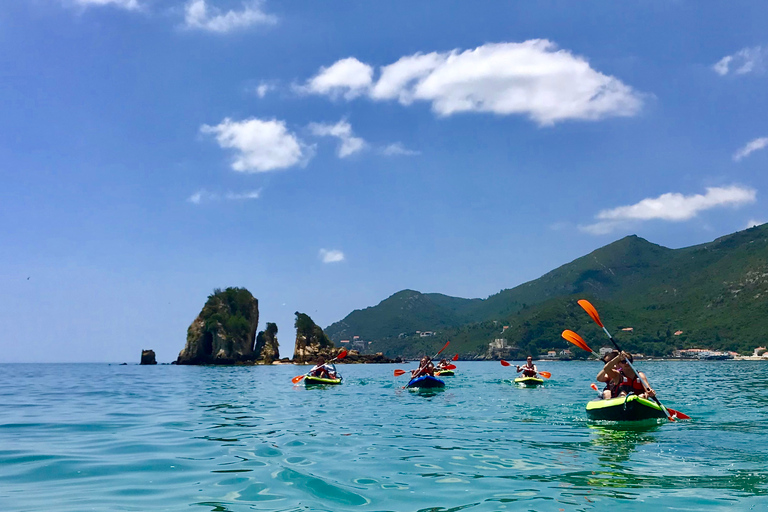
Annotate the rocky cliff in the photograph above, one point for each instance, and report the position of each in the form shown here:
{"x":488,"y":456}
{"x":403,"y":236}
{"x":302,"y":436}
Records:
{"x":225,"y":330}
{"x":148,"y":357}
{"x":311,"y":341}
{"x":267,"y":348}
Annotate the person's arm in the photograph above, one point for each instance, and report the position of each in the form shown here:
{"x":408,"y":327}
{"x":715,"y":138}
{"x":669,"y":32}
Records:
{"x":608,"y":372}
{"x":649,"y":393}
{"x":519,"y":369}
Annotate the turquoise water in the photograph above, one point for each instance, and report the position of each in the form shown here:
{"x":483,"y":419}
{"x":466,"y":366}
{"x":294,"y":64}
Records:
{"x":108,"y":437}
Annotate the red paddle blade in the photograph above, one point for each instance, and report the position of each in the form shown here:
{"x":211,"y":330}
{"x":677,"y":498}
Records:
{"x":450,"y":367}
{"x":504,"y":363}
{"x":679,"y":415}
{"x":546,"y":375}
{"x":593,"y":386}
{"x":342,"y":354}
{"x":444,"y":347}
{"x":399,"y":372}
{"x":297,"y":378}
{"x":455,"y":358}
{"x":591,"y":311}
{"x":576,"y":340}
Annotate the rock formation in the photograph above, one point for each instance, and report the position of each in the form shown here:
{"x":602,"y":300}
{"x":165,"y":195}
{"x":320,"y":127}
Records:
{"x":148,"y":357}
{"x":267,"y":348}
{"x":225,"y":330}
{"x":311,"y":341}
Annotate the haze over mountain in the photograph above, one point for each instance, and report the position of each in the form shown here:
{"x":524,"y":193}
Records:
{"x":715,"y":293}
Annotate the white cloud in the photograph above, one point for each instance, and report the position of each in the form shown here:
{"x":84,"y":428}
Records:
{"x":203,"y":196}
{"x":744,"y":61}
{"x":752,"y":223}
{"x":331,"y":256}
{"x":531,"y":78}
{"x":397,"y":149}
{"x":342,"y":131}
{"x":751,"y":146}
{"x":670,"y":207}
{"x":263,"y":88}
{"x":347,"y":77}
{"x":198,"y":15}
{"x":260,"y":145}
{"x":125,"y":4}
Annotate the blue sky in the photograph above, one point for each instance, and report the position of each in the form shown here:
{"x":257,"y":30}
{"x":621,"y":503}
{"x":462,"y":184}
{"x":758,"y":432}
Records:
{"x":326,"y":155}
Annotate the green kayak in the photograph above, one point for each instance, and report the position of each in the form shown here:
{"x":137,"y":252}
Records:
{"x":529,"y":382}
{"x":624,"y":408}
{"x":444,"y":373}
{"x":309,"y":380}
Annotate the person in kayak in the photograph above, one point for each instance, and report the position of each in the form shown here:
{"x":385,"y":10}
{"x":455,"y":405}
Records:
{"x":529,"y":369}
{"x":442,"y":364}
{"x":323,"y":370}
{"x":620,"y":379}
{"x":426,"y":367}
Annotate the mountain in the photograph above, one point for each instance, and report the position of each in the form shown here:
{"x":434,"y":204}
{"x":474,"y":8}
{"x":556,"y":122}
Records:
{"x":715,"y":293}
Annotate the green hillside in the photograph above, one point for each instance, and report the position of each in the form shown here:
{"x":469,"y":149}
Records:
{"x":716,"y":293}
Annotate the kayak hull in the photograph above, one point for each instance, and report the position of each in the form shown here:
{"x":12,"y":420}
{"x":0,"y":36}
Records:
{"x":624,"y":408}
{"x":314,"y":381}
{"x":529,"y":382}
{"x":426,"y":382}
{"x":444,"y":373}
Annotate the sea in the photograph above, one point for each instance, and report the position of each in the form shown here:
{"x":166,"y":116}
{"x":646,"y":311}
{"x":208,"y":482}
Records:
{"x":101,"y":437}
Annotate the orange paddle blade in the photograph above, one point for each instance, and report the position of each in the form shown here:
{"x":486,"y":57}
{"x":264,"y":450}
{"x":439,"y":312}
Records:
{"x":456,"y":357}
{"x":297,"y":378}
{"x":546,"y":375}
{"x":591,"y":311}
{"x":399,"y":372}
{"x":444,"y":347}
{"x":593,"y":386}
{"x":679,"y":415}
{"x":504,"y":363}
{"x":576,"y":340}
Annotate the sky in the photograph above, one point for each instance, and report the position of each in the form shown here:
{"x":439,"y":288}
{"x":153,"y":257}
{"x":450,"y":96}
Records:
{"x":326,"y":155}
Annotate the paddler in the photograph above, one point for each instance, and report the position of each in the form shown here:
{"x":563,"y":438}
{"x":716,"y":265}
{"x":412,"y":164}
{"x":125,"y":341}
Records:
{"x":620,"y":379}
{"x":529,"y":369}
{"x":323,"y":370}
{"x":426,"y":367}
{"x":443,"y":364}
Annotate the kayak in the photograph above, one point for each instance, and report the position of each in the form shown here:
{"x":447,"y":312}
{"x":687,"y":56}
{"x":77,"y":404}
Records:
{"x":624,"y":408}
{"x":444,"y":373}
{"x":310,"y":380}
{"x":426,"y":382}
{"x":529,"y":382}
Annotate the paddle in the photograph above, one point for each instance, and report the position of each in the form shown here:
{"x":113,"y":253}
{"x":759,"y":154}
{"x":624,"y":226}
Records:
{"x":546,"y":375}
{"x":341,"y":355}
{"x":449,"y":367}
{"x":455,"y":358}
{"x":592,"y":312}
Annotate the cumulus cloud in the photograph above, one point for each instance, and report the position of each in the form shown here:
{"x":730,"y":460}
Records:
{"x":673,"y":207}
{"x":532,"y":78}
{"x":125,"y":4}
{"x":199,"y":15}
{"x":203,"y":196}
{"x":342,"y":131}
{"x":331,"y":256}
{"x":751,"y":146}
{"x":397,"y":149}
{"x":348,"y":77}
{"x":260,"y":145}
{"x":744,"y":61}
{"x":263,"y":88}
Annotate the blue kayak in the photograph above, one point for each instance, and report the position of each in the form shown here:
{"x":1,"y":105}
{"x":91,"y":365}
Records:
{"x":426,"y":382}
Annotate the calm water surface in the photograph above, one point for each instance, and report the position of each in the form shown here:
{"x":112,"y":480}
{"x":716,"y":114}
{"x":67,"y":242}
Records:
{"x":108,"y":437}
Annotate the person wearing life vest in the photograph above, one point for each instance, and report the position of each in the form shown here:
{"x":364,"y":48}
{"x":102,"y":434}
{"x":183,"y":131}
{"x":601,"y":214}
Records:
{"x":426,"y":367}
{"x":529,"y":369}
{"x":323,"y":370}
{"x":620,"y":379}
{"x":442,"y":364}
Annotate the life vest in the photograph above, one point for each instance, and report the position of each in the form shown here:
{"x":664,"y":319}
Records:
{"x":633,"y":386}
{"x":528,"y":371}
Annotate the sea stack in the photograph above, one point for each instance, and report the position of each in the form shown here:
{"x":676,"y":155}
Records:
{"x":148,"y":357}
{"x":267,"y":348}
{"x":225,"y":330}
{"x":311,"y":341}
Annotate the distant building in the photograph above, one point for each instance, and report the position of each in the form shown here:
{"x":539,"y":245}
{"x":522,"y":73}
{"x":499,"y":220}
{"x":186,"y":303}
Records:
{"x":678,"y":333}
{"x":758,"y":351}
{"x":552,"y":354}
{"x":628,"y":329}
{"x":499,"y":344}
{"x":425,"y":334}
{"x":344,"y":341}
{"x":605,"y":350}
{"x":701,"y":353}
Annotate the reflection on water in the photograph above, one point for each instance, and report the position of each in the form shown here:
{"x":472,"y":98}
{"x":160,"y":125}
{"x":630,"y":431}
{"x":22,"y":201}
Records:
{"x":237,"y":439}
